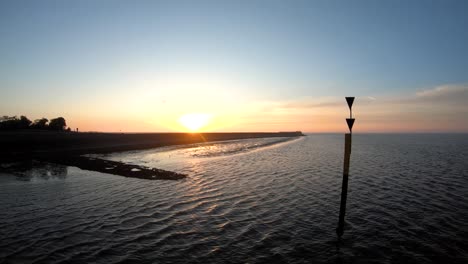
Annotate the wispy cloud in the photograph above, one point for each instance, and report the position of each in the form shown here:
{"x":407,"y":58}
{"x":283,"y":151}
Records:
{"x":311,"y":103}
{"x":445,"y":91}
{"x":441,"y":108}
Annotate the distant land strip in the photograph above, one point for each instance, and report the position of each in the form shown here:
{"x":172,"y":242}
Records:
{"x":66,"y":148}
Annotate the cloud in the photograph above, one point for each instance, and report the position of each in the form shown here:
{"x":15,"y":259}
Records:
{"x":454,"y":94}
{"x":324,"y":102}
{"x":310,"y":104}
{"x":441,"y":108}
{"x":444,"y":91}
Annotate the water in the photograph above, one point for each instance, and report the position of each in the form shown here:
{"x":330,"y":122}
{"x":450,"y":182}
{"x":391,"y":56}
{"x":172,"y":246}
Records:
{"x":249,"y":201}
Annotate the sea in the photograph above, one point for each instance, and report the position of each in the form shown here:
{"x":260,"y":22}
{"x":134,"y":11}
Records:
{"x":271,"y":200}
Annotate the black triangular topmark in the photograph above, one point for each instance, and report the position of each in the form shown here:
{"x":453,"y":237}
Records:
{"x":350,"y":101}
{"x":350,"y":122}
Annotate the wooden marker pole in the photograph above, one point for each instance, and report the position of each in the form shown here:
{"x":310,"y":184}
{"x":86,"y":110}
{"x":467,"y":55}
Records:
{"x":347,"y":157}
{"x":344,"y":186}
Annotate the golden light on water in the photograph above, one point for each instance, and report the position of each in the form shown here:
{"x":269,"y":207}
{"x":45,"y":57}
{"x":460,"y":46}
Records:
{"x":195,"y":121}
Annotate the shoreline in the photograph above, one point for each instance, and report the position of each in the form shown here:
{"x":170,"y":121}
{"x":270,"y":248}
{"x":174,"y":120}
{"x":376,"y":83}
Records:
{"x":67,"y":148}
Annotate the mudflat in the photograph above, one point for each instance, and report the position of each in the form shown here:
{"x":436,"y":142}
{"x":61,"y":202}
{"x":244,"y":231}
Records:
{"x":16,"y":144}
{"x":67,"y":148}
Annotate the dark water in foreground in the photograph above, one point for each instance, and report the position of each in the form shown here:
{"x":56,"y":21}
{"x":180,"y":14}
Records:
{"x":407,"y":203}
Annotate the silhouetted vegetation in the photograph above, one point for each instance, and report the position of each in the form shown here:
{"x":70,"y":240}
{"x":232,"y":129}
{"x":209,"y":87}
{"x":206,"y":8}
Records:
{"x":24,"y":122}
{"x":14,"y":123}
{"x":57,"y":124}
{"x":40,"y":123}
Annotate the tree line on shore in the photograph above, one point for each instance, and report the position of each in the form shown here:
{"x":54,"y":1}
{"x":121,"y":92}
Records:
{"x":13,"y":123}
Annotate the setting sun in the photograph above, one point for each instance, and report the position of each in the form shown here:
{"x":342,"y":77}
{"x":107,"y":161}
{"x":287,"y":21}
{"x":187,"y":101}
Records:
{"x":194,"y":121}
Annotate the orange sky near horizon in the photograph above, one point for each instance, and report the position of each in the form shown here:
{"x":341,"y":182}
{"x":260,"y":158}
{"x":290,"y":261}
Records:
{"x":247,"y":65}
{"x":440,"y":109}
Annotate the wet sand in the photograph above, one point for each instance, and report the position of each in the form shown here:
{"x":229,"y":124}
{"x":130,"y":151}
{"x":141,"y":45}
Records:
{"x":66,"y":148}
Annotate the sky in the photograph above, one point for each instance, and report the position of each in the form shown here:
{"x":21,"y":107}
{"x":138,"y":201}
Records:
{"x":143,"y":66}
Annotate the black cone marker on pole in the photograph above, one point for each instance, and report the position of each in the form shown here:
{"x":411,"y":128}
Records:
{"x":347,"y":156}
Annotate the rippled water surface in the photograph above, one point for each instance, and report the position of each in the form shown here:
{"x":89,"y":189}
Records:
{"x":252,"y":201}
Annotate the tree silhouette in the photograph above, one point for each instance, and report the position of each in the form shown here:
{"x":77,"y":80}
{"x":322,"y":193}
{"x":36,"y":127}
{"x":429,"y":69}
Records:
{"x":58,"y":123}
{"x":24,"y":122}
{"x":12,"y":123}
{"x":40,"y":123}
{"x":8,"y":118}
{"x":9,"y":122}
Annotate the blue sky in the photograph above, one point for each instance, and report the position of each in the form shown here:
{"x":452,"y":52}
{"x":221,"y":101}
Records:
{"x":85,"y":54}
